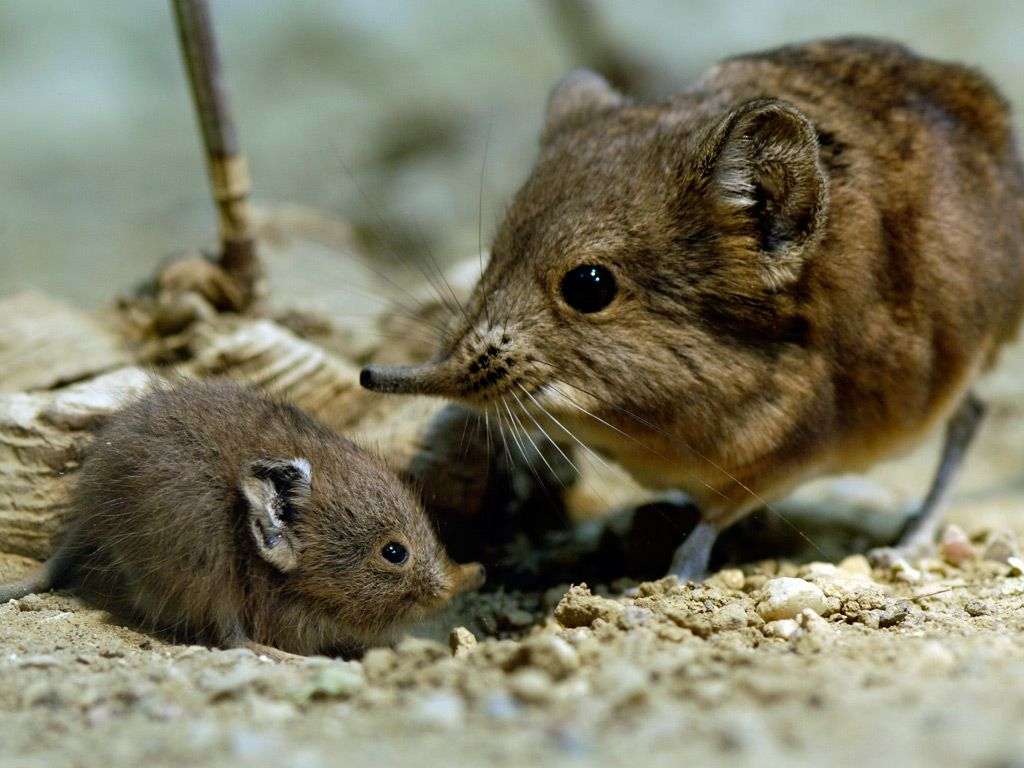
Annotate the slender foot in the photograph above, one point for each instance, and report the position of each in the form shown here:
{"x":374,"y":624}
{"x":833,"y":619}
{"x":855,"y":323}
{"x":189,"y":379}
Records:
{"x":690,"y":562}
{"x":918,"y":535}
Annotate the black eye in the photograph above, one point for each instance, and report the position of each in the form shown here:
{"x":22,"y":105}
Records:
{"x":588,"y":288}
{"x":395,"y":553}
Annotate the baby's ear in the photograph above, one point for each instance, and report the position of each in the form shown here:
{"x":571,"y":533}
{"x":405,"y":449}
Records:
{"x":271,"y":487}
{"x":767,"y":171}
{"x":578,"y":96}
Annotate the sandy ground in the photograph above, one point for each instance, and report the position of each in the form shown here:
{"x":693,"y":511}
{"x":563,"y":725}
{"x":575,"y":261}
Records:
{"x":915,"y":667}
{"x":911,"y":666}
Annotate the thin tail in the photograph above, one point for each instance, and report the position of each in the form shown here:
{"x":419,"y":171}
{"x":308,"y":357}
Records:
{"x":47,"y":576}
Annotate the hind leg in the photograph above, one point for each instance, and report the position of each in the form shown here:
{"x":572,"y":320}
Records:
{"x":920,"y":530}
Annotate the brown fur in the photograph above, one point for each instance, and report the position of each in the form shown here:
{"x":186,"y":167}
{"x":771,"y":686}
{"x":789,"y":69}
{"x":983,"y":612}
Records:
{"x":816,"y":248}
{"x":161,"y":530}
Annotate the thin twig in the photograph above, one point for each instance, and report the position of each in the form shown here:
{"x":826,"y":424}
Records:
{"x":229,"y":172}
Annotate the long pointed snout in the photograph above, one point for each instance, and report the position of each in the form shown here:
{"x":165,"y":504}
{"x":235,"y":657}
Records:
{"x":425,"y":379}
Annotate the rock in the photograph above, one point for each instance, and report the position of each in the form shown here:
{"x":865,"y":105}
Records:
{"x":501,"y":706}
{"x":461,"y":641}
{"x":850,"y":593}
{"x":857,"y":564}
{"x":443,"y":708}
{"x":894,"y":614}
{"x":905,"y":572}
{"x":817,"y":569}
{"x":337,"y":680}
{"x":781,"y":628}
{"x":730,"y":578}
{"x":621,"y":682}
{"x":785,"y":598}
{"x":552,"y":654}
{"x":1000,"y":545}
{"x":811,"y":622}
{"x":729,"y":617}
{"x":955,"y":546}
{"x":531,"y":685}
{"x":977,"y":607}
{"x":579,"y":608}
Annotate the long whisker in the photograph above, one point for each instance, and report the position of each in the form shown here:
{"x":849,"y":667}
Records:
{"x":625,"y":434}
{"x":480,"y":212}
{"x":536,"y":449}
{"x":504,"y":442}
{"x":567,"y":431}
{"x":536,"y":423}
{"x":522,"y":449}
{"x":381,"y":222}
{"x":682,"y":443}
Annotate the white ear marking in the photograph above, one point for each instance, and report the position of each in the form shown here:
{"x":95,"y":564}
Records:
{"x":304,"y":468}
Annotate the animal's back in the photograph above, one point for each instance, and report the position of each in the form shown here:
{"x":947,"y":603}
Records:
{"x":920,"y":275}
{"x":156,"y":511}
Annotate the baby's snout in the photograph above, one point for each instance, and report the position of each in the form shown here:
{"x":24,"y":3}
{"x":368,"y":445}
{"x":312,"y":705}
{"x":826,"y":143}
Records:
{"x":467,"y":577}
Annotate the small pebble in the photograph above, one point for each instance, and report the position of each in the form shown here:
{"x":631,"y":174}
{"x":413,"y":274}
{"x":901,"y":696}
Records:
{"x":955,"y":546}
{"x":531,"y":685}
{"x":811,"y":622}
{"x":461,"y":641}
{"x":31,"y":602}
{"x":781,"y":628}
{"x":633,"y":616}
{"x":857,"y":564}
{"x":730,"y":578}
{"x":340,"y":680}
{"x":1000,"y":545}
{"x":977,"y":608}
{"x":267,"y":711}
{"x":785,"y":598}
{"x":893,"y":615}
{"x":552,"y":654}
{"x":579,"y":608}
{"x":444,"y":709}
{"x":231,"y":684}
{"x":1016,"y":566}
{"x":501,"y":706}
{"x":934,"y":657}
{"x":731,"y":616}
{"x":819,"y":569}
{"x":622,"y":683}
{"x":905,"y":572}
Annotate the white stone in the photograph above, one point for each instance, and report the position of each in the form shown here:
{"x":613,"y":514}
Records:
{"x":785,"y":598}
{"x":444,"y":709}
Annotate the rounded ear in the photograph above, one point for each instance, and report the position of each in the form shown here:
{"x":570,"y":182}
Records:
{"x":580,"y":94}
{"x":768,"y":172}
{"x":271,"y":486}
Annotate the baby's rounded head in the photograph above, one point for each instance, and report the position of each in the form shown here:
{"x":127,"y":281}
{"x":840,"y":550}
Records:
{"x":352,"y":540}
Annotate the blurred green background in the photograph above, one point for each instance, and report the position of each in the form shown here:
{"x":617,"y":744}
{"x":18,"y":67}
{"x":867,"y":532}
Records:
{"x":375,"y":111}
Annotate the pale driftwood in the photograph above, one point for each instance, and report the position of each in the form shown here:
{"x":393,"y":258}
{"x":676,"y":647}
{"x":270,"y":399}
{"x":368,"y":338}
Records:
{"x":43,"y":436}
{"x":45,"y":343}
{"x":262,"y":354}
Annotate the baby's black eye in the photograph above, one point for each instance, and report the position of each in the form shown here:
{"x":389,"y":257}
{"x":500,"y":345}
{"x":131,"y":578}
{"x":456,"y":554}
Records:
{"x":588,"y":288}
{"x":395,"y":553}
